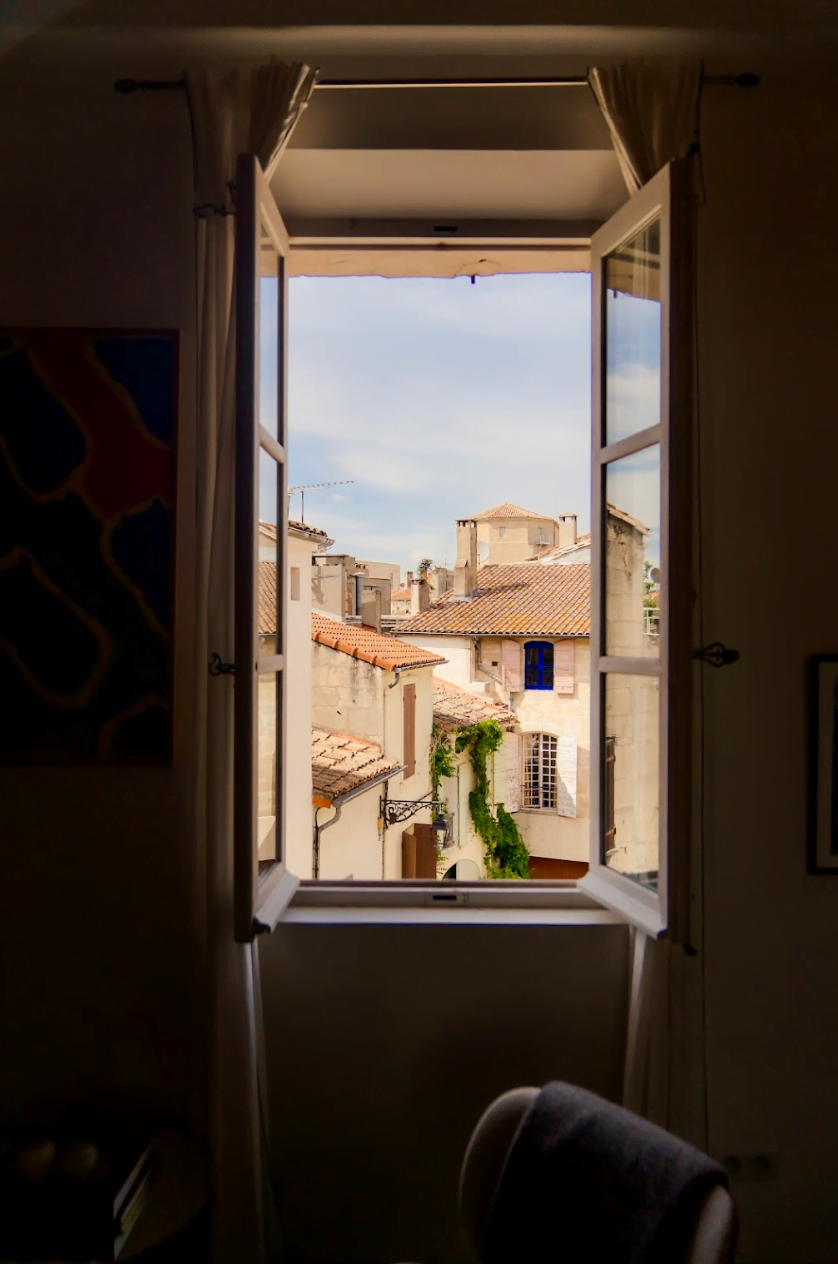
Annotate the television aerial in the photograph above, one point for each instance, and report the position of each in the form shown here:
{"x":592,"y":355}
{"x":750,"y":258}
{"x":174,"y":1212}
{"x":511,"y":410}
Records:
{"x":311,"y":487}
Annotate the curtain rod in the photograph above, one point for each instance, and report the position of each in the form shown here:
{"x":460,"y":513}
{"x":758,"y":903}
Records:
{"x":747,"y":80}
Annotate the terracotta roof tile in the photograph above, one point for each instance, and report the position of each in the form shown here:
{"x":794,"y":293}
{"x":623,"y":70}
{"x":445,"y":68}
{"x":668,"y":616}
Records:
{"x":526,"y":599}
{"x":365,"y":643}
{"x":267,"y":598}
{"x":341,"y":762}
{"x":400,"y":594}
{"x":269,"y":528}
{"x":508,"y":510}
{"x":584,"y":542}
{"x":456,"y":708}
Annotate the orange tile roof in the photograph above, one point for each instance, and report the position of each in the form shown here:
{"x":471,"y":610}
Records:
{"x":584,"y":542}
{"x":365,"y":643}
{"x":341,"y":762}
{"x":507,"y":510}
{"x":267,"y":598}
{"x":269,"y":528}
{"x":525,"y":599}
{"x":456,"y":708}
{"x":400,"y":594}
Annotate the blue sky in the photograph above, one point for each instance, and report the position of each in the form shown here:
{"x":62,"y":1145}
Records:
{"x":440,"y":398}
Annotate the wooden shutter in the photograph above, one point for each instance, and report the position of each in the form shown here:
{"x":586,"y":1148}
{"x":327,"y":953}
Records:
{"x":566,"y":772}
{"x":512,"y":781}
{"x":563,"y":667}
{"x":512,"y":672}
{"x":409,"y":704}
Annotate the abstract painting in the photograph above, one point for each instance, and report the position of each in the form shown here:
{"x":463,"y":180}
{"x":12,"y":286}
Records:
{"x":87,"y":488}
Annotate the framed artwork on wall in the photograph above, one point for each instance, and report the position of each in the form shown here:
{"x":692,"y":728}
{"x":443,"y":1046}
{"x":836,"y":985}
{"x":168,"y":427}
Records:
{"x":87,"y":486}
{"x":823,"y":763}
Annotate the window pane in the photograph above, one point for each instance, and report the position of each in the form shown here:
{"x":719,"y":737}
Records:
{"x":269,"y":346}
{"x":631,"y":794}
{"x":532,"y":780}
{"x":632,"y":554}
{"x":633,"y":335}
{"x":548,"y":771}
{"x":547,"y":667}
{"x":267,"y":710}
{"x":269,"y":557}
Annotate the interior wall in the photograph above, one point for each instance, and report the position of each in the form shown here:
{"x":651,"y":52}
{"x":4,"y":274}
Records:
{"x":100,"y":898}
{"x":386,"y":1043}
{"x":769,"y":381}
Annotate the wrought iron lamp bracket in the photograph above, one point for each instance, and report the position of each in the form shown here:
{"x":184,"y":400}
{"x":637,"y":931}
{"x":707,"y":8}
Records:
{"x":394,"y":811}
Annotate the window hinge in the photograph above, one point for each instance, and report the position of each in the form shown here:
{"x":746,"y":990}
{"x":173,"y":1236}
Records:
{"x":716,"y":655}
{"x":217,"y":666}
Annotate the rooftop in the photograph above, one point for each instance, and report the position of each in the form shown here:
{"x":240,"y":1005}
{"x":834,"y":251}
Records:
{"x":341,"y":763}
{"x":267,"y":598}
{"x":550,"y":555}
{"x":269,"y":529}
{"x":525,"y":599}
{"x":400,"y":594}
{"x":361,"y":641}
{"x":456,"y":708}
{"x":508,"y":510}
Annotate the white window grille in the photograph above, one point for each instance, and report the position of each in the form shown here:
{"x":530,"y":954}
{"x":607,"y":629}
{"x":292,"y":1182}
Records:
{"x":540,"y":770}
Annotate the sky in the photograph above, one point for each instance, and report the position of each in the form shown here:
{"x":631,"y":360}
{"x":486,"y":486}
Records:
{"x":440,"y":399}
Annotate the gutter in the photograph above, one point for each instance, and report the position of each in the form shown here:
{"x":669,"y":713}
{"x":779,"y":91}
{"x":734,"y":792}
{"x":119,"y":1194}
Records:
{"x":397,"y":671}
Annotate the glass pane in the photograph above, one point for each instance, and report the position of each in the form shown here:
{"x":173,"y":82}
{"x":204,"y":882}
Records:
{"x":632,"y":529}
{"x":631,"y":785}
{"x":633,"y":335}
{"x":269,"y":553}
{"x":267,"y":710}
{"x":269,"y":350}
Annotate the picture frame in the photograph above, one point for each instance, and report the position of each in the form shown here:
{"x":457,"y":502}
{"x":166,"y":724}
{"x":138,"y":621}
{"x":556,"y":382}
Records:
{"x":823,"y":764}
{"x":88,"y":474}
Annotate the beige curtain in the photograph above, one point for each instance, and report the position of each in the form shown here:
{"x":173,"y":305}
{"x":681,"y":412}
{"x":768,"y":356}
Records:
{"x":651,"y":108}
{"x":232,"y":112}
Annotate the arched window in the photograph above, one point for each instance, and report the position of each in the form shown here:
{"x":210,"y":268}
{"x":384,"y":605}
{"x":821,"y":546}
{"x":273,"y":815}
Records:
{"x":540,"y":780}
{"x":538,"y":665}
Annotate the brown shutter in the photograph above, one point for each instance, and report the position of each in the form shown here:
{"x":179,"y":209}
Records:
{"x":563,"y":667}
{"x":425,"y":851}
{"x":511,"y":666}
{"x":409,"y":704}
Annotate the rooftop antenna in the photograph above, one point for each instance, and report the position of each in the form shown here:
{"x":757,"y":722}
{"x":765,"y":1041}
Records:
{"x":310,"y":487}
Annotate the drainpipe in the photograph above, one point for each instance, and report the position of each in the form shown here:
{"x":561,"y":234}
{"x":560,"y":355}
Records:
{"x":359,"y":594}
{"x":318,"y":830}
{"x":478,"y":657}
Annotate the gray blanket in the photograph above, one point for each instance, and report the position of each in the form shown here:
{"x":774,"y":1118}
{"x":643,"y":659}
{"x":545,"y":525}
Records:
{"x":586,"y":1182}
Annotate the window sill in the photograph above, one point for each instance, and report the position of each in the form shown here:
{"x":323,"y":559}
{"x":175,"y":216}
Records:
{"x":416,"y":904}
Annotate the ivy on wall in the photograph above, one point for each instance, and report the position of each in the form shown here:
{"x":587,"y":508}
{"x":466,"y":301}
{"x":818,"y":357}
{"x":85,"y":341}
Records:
{"x":506,"y":855}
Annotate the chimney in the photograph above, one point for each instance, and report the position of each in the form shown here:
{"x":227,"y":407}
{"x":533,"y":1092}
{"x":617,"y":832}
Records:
{"x":567,"y":530}
{"x":409,"y":581}
{"x":465,"y":572}
{"x":420,"y":596}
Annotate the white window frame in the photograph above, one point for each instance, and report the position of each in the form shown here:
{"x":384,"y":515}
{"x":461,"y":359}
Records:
{"x":563,"y":247}
{"x":259,"y":899}
{"x":665,"y":911}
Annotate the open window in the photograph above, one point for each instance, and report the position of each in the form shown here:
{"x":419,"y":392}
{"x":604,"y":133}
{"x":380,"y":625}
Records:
{"x":263,"y":885}
{"x":641,"y":669}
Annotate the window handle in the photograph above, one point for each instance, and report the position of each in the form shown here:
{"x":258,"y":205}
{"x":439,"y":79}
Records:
{"x":716,"y":655}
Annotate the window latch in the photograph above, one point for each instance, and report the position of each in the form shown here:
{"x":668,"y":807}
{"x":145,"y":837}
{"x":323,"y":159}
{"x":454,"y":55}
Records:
{"x":217,"y":666}
{"x":716,"y":655}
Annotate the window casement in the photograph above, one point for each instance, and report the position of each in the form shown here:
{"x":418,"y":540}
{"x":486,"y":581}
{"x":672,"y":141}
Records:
{"x":263,"y":885}
{"x":641,"y":440}
{"x":538,"y":665}
{"x":640,"y":676}
{"x":540,"y":775}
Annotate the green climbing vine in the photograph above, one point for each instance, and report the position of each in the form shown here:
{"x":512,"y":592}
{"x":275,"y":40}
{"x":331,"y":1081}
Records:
{"x":506,"y":855}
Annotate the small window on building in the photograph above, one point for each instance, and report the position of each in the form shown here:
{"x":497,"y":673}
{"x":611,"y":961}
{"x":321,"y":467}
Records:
{"x":295,"y":583}
{"x":538,"y":665}
{"x":540,"y":770}
{"x":501,"y":532}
